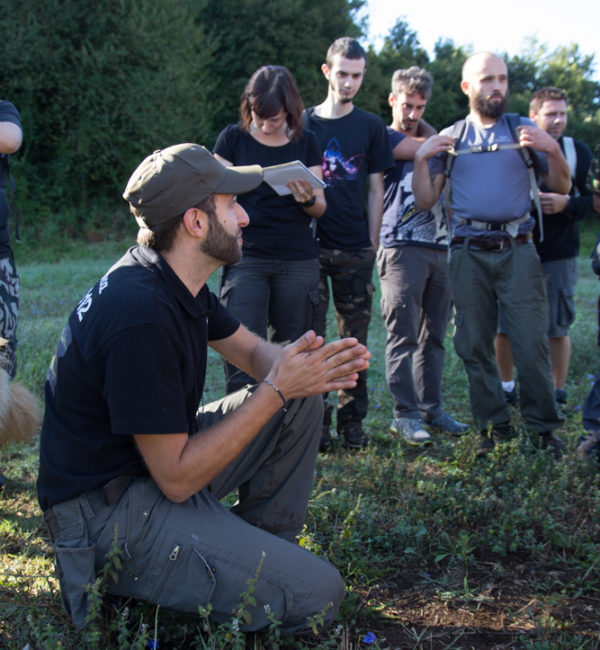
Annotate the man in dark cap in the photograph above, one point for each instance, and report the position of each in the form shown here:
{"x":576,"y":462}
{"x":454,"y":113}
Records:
{"x":127,"y":455}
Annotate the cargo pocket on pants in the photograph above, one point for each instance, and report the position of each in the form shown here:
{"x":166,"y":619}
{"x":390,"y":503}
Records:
{"x":169,"y":570}
{"x":75,"y":567}
{"x":566,"y":311}
{"x":187,"y":580}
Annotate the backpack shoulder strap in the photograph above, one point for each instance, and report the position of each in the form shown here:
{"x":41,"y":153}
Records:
{"x":458,"y":130}
{"x":307,"y":114}
{"x":529,"y":158}
{"x":570,"y":153}
{"x":514,"y":122}
{"x":568,"y":145}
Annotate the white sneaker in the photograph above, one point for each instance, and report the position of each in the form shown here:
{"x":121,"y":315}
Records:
{"x":411,"y":429}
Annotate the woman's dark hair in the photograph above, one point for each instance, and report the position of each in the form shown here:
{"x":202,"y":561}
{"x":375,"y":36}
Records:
{"x":270,"y":90}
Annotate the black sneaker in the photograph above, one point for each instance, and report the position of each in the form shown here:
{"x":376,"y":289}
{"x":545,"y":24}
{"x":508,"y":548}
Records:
{"x":511,"y":397}
{"x":354,"y":436}
{"x":560,"y":397}
{"x":551,"y":442}
{"x":325,"y":444}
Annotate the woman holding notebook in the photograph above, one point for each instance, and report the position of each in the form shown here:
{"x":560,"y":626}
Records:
{"x":273,"y":290}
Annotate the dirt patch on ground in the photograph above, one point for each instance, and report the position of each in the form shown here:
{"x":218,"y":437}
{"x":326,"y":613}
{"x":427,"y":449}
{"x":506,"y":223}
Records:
{"x":482,"y":611}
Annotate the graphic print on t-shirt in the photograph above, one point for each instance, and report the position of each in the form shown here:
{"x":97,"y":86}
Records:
{"x":337,"y":169}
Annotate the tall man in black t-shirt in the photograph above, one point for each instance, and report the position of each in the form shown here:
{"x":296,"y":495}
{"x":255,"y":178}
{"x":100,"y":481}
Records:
{"x":355,"y":150}
{"x":127,"y":457}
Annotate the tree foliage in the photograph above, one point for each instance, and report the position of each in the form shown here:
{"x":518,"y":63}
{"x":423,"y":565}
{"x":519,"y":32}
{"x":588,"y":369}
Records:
{"x":100,"y":85}
{"x":567,"y":68}
{"x":253,"y":33}
{"x":401,"y":49}
{"x":448,"y":103}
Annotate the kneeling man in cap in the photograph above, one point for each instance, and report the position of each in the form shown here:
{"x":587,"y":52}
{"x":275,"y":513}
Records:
{"x":131,"y":455}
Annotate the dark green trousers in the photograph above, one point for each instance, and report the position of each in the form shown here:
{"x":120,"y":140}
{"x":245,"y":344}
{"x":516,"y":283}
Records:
{"x":514,"y":279}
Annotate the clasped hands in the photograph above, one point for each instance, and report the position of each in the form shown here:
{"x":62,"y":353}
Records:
{"x":308,"y":366}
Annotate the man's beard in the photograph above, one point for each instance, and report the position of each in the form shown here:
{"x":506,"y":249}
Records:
{"x":220,"y":244}
{"x":488,"y":108}
{"x":343,"y":99}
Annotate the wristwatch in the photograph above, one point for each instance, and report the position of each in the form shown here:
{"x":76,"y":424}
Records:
{"x":310,"y":202}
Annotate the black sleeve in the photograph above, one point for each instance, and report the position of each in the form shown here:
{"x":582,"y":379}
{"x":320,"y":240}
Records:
{"x":581,"y":207}
{"x":227,"y":143}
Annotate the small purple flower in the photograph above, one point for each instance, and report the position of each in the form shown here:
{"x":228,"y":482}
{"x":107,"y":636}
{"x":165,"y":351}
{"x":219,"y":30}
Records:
{"x":153,"y":644}
{"x":369,"y":638}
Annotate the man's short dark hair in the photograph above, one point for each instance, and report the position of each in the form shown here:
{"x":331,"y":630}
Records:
{"x":347,"y":47}
{"x":161,"y":237}
{"x":413,"y":80}
{"x":547,"y":93}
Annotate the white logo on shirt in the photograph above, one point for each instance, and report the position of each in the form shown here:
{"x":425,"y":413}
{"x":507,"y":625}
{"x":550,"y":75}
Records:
{"x":84,"y":305}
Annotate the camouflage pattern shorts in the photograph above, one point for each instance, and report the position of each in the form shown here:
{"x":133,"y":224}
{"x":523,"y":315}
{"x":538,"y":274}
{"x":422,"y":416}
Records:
{"x":9,"y":314}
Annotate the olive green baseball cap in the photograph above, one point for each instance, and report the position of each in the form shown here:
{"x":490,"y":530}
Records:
{"x":171,"y":180}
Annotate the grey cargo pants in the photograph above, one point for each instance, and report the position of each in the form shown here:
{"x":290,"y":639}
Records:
{"x":199,"y":552}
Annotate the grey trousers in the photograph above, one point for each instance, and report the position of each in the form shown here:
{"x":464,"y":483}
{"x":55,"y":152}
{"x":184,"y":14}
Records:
{"x":514,"y":279}
{"x":199,"y":552}
{"x":275,"y":299}
{"x":415,"y":305}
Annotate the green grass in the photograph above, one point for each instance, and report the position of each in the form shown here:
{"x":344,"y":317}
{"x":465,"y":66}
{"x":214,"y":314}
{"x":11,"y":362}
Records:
{"x":438,"y":549}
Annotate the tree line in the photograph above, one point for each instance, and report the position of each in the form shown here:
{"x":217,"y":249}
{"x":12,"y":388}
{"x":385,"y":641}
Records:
{"x":100,"y":85}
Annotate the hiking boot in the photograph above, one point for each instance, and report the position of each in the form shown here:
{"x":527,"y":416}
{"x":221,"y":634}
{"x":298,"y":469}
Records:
{"x":560,"y":397}
{"x":411,"y":430}
{"x":325,"y":444}
{"x":446,"y":423}
{"x":500,"y":432}
{"x":511,"y":397}
{"x":551,"y":442}
{"x":354,"y":436}
{"x":486,"y":445}
{"x":588,"y":445}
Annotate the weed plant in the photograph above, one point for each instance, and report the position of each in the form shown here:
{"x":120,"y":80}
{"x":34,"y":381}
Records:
{"x":510,"y":544}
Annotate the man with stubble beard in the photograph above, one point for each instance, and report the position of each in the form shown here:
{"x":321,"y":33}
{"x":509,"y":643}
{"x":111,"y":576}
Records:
{"x":130,"y":454}
{"x":356,"y":153}
{"x":493,"y":259}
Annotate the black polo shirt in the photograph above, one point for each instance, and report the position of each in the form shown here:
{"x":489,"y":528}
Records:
{"x":131,"y":360}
